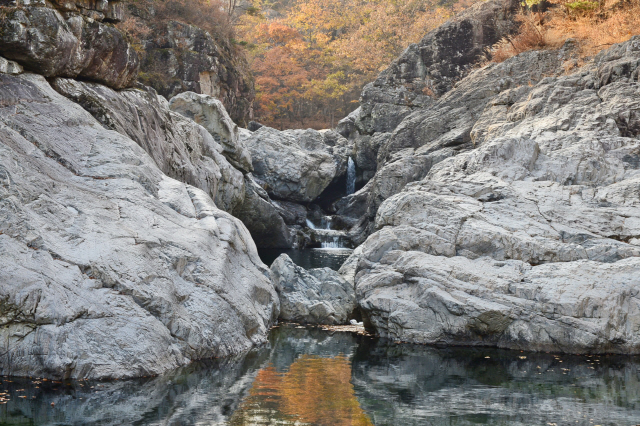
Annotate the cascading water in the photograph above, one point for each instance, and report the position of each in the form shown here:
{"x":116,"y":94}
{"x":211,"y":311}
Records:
{"x":351,"y":176}
{"x":325,"y":236}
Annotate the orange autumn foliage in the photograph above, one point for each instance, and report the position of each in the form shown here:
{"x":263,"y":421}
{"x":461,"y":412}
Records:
{"x":595,"y":25}
{"x":312,"y":59}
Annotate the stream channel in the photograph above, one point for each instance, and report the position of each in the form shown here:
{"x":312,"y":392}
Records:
{"x":316,"y":377}
{"x":310,"y":376}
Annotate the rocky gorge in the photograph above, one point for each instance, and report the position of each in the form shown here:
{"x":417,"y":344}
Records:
{"x":493,"y":204}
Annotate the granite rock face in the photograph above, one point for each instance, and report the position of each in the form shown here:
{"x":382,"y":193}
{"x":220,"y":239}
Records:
{"x":444,"y":129}
{"x":529,"y":236}
{"x":186,"y":151}
{"x":67,"y":41}
{"x":179,"y":57}
{"x":315,"y":296}
{"x":211,"y":114}
{"x":181,"y":148}
{"x":430,"y":68}
{"x":111,"y":269}
{"x":413,"y":96}
{"x":296,"y":165}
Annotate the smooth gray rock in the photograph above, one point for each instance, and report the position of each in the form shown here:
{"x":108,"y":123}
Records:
{"x":296,"y":165}
{"x":315,"y":296}
{"x":442,"y":130}
{"x":528,"y":239}
{"x":181,"y":148}
{"x":211,"y":114}
{"x":111,"y":269}
{"x":66,"y":43}
{"x":186,"y":151}
{"x":572,"y":307}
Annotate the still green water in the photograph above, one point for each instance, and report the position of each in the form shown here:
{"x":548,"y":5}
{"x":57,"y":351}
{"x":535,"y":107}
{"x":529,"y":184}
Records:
{"x":313,"y":377}
{"x":308,"y":258}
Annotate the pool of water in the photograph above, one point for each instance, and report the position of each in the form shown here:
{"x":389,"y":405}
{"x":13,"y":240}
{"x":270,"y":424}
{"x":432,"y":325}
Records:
{"x":313,"y":377}
{"x":309,"y":258}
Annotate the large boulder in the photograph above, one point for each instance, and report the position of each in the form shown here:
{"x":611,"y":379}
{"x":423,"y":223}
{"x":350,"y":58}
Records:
{"x":530,"y":239}
{"x":315,"y":296}
{"x":181,"y":148}
{"x":211,"y":114}
{"x":186,"y":151}
{"x":296,"y":165}
{"x":66,"y":43}
{"x":111,"y":269}
{"x":444,"y":129}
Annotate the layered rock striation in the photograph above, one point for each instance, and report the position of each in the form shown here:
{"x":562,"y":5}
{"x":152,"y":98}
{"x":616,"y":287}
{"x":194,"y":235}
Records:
{"x":68,"y":39}
{"x":111,"y":268}
{"x":412,"y":96}
{"x":525,"y":234}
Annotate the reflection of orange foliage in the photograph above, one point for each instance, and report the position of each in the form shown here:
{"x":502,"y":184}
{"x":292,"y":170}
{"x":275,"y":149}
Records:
{"x":315,"y":390}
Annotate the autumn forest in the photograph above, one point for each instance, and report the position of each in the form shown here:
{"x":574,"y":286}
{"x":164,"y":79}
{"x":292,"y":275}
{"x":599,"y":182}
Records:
{"x":311,"y":58}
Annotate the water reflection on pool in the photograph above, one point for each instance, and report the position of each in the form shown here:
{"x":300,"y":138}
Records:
{"x":309,"y":376}
{"x":309,"y":258}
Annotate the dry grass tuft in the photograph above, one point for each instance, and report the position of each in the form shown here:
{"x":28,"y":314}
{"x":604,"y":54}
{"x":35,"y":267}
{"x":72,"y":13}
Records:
{"x":594,"y":24}
{"x":529,"y":37}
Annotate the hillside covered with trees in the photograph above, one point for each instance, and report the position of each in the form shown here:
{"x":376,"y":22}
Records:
{"x":311,"y":58}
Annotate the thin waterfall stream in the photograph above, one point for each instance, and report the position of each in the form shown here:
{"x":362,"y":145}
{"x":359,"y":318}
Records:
{"x":351,"y":176}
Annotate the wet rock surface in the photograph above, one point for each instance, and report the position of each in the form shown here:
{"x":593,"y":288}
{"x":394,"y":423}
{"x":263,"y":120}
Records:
{"x":111,"y":269}
{"x":314,"y":296}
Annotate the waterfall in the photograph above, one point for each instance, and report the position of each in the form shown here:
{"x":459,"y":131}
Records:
{"x":324,"y":236}
{"x":351,"y":176}
{"x":334,"y":243}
